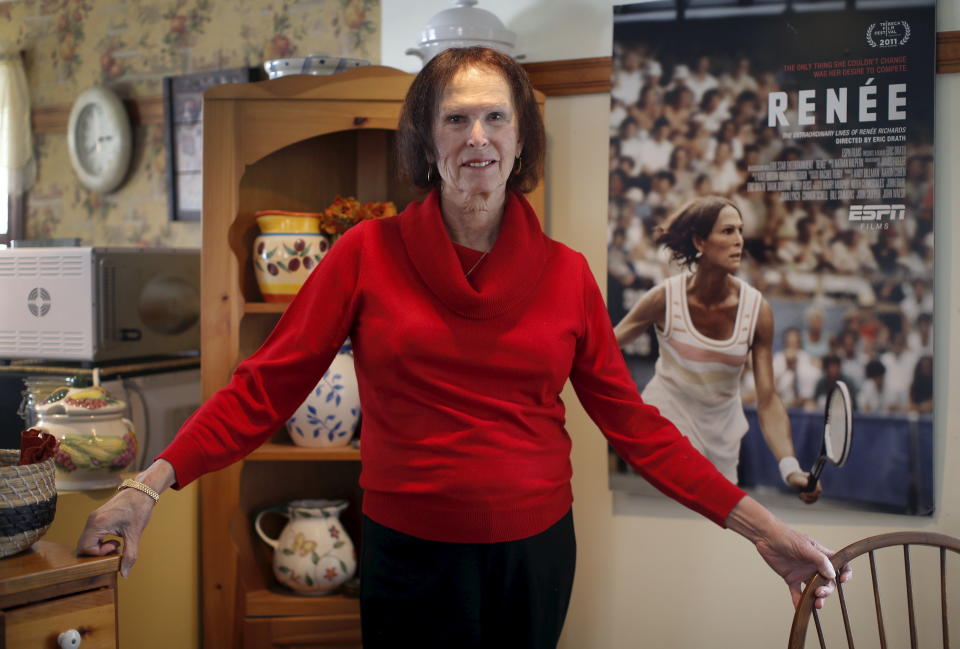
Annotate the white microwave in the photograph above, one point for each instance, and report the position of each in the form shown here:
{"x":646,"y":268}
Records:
{"x":97,"y":304}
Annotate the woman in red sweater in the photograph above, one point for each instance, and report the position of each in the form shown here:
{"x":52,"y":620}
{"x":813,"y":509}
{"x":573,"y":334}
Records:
{"x":466,"y":322}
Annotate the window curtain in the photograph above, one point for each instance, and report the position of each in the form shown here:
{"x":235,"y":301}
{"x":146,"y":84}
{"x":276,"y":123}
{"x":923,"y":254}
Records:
{"x":17,"y":163}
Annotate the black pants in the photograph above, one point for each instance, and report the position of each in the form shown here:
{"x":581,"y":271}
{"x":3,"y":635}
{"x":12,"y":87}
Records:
{"x":431,"y":595}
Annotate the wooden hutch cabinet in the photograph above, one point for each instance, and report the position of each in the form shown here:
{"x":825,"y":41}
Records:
{"x":292,"y":143}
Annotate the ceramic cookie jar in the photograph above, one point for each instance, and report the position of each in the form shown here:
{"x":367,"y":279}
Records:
{"x":96,"y":441}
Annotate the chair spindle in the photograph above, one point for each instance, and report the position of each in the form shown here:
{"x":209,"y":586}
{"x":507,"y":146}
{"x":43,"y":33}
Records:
{"x":816,"y":619}
{"x":876,"y":599}
{"x":943,"y":597}
{"x":846,"y":617}
{"x":913,"y":619}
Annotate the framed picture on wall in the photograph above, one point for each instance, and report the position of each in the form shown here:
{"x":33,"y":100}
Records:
{"x":183,"y":132}
{"x":834,"y":202}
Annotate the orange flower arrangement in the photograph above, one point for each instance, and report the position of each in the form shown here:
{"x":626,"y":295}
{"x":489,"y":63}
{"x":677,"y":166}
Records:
{"x":345,"y":213}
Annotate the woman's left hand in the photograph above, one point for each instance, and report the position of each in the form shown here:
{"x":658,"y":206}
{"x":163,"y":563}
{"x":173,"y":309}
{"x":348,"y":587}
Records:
{"x":797,"y":558}
{"x":794,"y":556}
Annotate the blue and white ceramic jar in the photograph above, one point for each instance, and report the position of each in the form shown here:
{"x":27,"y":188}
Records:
{"x":329,"y":415}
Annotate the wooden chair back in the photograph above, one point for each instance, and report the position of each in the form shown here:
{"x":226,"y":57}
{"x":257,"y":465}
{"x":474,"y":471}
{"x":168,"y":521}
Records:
{"x":805,"y":609}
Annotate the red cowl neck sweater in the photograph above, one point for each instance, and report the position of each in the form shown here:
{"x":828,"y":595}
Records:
{"x":463,"y":427}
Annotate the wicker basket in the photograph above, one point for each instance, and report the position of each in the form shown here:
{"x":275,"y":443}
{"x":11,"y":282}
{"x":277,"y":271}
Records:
{"x":28,"y":500}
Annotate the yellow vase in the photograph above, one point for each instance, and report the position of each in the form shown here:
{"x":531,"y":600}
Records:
{"x":287,"y":250}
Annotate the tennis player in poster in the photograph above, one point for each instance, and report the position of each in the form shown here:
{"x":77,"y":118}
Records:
{"x":708,"y":322}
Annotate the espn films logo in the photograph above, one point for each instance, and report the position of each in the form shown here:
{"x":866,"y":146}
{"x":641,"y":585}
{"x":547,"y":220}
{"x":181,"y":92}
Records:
{"x":876,"y":217}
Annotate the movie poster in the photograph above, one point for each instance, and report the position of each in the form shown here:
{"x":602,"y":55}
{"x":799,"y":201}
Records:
{"x":818,"y":127}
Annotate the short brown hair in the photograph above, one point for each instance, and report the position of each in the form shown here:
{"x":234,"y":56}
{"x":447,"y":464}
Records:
{"x":694,"y":220}
{"x":415,"y":134}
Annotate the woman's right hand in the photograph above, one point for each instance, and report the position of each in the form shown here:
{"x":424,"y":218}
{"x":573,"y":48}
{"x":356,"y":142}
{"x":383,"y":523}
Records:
{"x":125,"y":516}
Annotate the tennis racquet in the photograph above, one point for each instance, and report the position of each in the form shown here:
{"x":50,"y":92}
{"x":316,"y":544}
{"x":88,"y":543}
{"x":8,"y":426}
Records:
{"x":837,"y":432}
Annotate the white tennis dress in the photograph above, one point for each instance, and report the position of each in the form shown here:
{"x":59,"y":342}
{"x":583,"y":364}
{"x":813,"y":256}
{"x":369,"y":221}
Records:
{"x":697,"y":380}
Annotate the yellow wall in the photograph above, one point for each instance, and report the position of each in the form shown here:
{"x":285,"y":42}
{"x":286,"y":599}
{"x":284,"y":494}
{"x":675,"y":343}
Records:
{"x":159,"y":603}
{"x":70,"y":45}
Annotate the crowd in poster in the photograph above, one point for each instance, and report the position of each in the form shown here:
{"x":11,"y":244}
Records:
{"x":818,"y":126}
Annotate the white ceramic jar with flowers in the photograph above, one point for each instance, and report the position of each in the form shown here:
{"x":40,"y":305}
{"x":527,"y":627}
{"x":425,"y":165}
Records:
{"x":96,"y":441}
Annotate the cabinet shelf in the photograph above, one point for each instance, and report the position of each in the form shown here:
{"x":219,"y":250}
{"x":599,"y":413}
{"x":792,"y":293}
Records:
{"x":277,"y":451}
{"x":262,"y":602}
{"x":265,"y":307}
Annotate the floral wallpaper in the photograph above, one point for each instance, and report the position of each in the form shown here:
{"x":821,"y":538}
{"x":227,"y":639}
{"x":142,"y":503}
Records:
{"x":130,"y":46}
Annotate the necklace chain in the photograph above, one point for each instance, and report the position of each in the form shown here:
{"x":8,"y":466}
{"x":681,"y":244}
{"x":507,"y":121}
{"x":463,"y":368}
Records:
{"x":477,"y":263}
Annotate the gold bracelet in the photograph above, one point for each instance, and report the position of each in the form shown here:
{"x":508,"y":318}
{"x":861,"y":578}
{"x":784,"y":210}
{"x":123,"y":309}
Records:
{"x":139,"y":486}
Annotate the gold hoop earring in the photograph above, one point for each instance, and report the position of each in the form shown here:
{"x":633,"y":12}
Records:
{"x":517,"y":165}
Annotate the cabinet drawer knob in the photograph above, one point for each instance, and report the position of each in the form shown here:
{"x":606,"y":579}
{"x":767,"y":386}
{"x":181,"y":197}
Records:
{"x":359,"y":121}
{"x":69,"y":639}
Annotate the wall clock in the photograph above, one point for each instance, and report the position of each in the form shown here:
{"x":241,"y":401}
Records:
{"x":100,"y":139}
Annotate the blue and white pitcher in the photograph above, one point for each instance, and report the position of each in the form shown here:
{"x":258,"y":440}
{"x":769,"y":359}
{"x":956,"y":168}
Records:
{"x":329,"y":415}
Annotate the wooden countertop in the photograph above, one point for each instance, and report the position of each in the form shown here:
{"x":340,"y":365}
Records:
{"x":47,"y":564}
